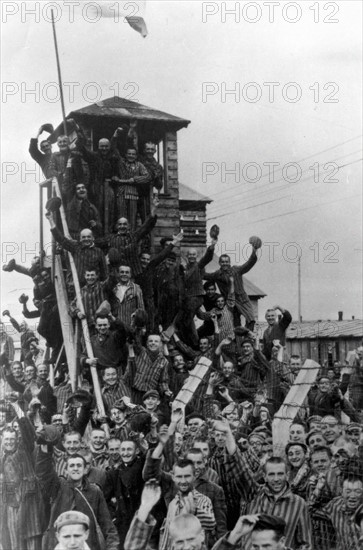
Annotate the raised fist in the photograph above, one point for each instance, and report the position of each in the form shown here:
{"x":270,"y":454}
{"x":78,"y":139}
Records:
{"x":23,"y":299}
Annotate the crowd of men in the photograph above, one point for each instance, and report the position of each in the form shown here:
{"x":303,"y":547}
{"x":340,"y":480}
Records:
{"x":153,"y":471}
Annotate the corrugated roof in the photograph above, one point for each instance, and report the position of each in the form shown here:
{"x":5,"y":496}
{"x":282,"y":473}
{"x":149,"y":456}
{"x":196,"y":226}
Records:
{"x":120,"y":107}
{"x":310,"y":330}
{"x":252,"y":290}
{"x":188,"y":194}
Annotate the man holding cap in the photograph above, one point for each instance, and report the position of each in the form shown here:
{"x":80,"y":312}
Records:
{"x":72,"y":530}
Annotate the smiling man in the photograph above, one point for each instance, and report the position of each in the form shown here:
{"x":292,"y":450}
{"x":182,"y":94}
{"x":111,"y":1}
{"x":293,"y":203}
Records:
{"x":277,"y":497}
{"x":78,"y":494}
{"x":86,"y":255}
{"x":109,"y":345}
{"x":126,"y":296}
{"x":43,"y":156}
{"x":65,"y":166}
{"x":81,"y":213}
{"x":178,"y":490}
{"x":148,"y":370}
{"x":113,"y":388}
{"x":341,"y":512}
{"x":133,"y":175}
{"x":125,"y":484}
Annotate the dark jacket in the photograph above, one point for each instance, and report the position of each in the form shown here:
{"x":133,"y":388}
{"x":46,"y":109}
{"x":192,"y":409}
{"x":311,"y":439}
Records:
{"x":126,"y":485}
{"x":64,"y":496}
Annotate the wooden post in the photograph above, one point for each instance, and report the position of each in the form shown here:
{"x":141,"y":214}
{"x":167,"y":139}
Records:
{"x":94,"y":374}
{"x":293,"y":401}
{"x":59,"y":74}
{"x":192,"y":382}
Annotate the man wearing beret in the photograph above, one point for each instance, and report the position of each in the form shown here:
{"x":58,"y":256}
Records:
{"x":72,"y":530}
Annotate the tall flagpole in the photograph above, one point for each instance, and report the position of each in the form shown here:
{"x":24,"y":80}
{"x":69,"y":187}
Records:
{"x":59,"y":75}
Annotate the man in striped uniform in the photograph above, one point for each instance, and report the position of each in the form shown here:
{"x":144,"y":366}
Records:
{"x":178,"y":490}
{"x":113,"y":389}
{"x":275,"y":498}
{"x":133,"y":174}
{"x":147,"y":370}
{"x":125,"y":297}
{"x":93,"y":294}
{"x":86,"y":255}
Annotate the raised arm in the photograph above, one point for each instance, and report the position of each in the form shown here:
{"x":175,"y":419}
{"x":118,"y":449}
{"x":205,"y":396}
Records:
{"x":150,"y":221}
{"x":208,"y":256}
{"x":247,"y":266}
{"x":286,"y":317}
{"x":67,"y":244}
{"x":14,"y":322}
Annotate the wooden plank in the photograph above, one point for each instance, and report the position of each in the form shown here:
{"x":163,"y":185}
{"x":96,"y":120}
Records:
{"x":193,"y":224}
{"x":66,"y":320}
{"x":195,"y":377}
{"x":294,"y":399}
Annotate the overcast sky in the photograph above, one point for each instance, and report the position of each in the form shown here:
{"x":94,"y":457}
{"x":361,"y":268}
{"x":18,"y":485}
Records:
{"x":194,"y":53}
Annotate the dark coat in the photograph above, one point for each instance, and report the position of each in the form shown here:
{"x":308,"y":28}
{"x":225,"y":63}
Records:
{"x":64,"y":496}
{"x":126,"y":485}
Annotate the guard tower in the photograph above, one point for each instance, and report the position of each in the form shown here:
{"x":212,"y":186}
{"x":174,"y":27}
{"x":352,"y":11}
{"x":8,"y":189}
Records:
{"x":100,"y":120}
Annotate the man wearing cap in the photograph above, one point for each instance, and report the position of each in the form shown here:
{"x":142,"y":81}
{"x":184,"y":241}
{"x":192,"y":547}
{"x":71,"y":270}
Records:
{"x":120,"y":428}
{"x":151,"y":401}
{"x":72,"y":531}
{"x":354,"y":433}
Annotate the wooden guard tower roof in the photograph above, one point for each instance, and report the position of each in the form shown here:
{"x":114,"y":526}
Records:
{"x":109,"y":113}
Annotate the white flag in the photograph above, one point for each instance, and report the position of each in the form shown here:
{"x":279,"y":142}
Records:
{"x":132,"y":12}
